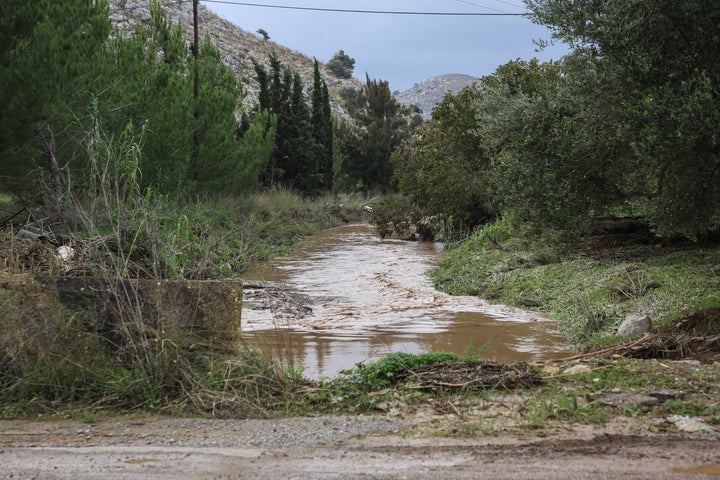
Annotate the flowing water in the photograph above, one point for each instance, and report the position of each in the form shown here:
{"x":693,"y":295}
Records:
{"x":363,"y":298}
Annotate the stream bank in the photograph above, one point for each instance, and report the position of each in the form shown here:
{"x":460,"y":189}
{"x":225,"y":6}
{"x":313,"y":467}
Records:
{"x":524,"y":434}
{"x":345,"y":296}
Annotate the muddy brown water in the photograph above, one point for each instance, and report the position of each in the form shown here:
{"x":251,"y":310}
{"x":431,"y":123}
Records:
{"x":371,"y":297}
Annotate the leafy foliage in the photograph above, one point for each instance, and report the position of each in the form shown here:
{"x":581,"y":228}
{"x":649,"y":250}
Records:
{"x":380,"y":124}
{"x":444,"y":170}
{"x":392,"y":367}
{"x":648,"y":81}
{"x":341,"y":64}
{"x":392,"y":214}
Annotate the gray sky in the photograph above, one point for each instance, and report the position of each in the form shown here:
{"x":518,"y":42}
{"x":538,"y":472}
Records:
{"x":402,"y":49}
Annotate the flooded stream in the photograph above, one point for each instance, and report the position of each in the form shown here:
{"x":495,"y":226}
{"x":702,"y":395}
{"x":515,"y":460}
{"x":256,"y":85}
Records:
{"x":349,"y":297}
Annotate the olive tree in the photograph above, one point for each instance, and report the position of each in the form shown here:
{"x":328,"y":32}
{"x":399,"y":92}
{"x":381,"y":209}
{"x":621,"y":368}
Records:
{"x":650,"y":87}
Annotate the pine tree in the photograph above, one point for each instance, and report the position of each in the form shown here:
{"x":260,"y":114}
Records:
{"x":47,"y":49}
{"x":294,"y":162}
{"x":381,"y":125}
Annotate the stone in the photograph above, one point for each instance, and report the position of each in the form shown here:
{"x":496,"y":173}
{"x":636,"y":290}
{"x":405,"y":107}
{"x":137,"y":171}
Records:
{"x":691,"y":425}
{"x":577,"y":369}
{"x":627,"y":398}
{"x":634,"y":325}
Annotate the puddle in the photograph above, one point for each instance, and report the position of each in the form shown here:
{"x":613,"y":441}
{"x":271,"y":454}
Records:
{"x":143,"y":460}
{"x":370,"y":297}
{"x":710,"y":469}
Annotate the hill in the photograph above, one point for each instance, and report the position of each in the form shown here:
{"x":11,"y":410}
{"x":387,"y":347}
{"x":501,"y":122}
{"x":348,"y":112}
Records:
{"x":428,"y":93}
{"x":238,"y":47}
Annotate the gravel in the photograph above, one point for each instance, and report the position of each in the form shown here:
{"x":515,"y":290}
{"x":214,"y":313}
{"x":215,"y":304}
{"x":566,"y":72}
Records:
{"x":212,"y":433}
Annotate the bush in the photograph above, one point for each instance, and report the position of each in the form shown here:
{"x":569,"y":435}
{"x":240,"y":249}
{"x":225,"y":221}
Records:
{"x":341,"y":65}
{"x":394,"y":367}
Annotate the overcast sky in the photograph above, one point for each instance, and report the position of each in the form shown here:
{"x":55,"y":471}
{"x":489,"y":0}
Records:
{"x":402,"y":49}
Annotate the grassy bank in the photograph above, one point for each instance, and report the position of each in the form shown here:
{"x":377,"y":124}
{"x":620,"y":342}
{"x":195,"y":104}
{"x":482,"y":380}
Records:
{"x":153,"y":236}
{"x":54,"y":358}
{"x":588,"y":285}
{"x":62,"y":364}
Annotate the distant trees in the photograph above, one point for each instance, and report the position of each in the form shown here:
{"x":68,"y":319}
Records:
{"x":380,"y":124}
{"x":322,"y":129}
{"x":302,"y":157}
{"x":341,"y":64}
{"x":443,"y":171}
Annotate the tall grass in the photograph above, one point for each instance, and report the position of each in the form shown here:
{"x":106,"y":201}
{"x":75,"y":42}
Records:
{"x":127,"y":353}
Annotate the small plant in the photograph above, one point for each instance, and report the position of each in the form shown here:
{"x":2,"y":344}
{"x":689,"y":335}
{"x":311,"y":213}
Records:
{"x":635,"y":283}
{"x":564,"y":406}
{"x":590,"y":320}
{"x":392,"y":368}
{"x":392,"y":215}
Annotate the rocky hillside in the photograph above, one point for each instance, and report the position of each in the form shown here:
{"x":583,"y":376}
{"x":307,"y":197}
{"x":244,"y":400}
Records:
{"x":428,"y":93}
{"x":238,"y":47}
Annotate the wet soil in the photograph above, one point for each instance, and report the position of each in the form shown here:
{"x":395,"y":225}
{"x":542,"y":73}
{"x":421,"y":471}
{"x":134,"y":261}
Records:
{"x":343,"y":447}
{"x":486,"y":438}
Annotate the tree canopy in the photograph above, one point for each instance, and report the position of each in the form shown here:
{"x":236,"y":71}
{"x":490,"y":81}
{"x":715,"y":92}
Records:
{"x":341,"y":64}
{"x":71,"y":78}
{"x":45,"y":50}
{"x":623,"y":125}
{"x":379,"y":125}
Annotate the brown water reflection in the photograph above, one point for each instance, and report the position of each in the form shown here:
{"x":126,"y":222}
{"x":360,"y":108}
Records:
{"x":371,"y":297}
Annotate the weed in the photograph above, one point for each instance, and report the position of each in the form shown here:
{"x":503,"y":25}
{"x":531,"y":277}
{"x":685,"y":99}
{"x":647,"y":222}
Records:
{"x":680,"y":407}
{"x":635,"y":283}
{"x":564,"y":406}
{"x":393,"y":367}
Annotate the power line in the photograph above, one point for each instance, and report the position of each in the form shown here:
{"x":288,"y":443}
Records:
{"x":480,"y":6}
{"x":490,"y":8}
{"x":381,"y":12}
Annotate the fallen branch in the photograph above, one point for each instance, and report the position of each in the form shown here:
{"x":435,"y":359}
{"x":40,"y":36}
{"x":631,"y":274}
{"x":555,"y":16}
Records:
{"x":595,"y":353}
{"x":463,"y":375}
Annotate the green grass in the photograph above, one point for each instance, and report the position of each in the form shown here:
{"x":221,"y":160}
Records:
{"x":586,"y":288}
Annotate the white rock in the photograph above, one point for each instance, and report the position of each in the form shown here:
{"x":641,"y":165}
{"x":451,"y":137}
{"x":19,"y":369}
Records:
{"x":691,"y":425}
{"x":633,"y":325}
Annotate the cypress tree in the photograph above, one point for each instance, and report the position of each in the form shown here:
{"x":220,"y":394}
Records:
{"x":322,"y":129}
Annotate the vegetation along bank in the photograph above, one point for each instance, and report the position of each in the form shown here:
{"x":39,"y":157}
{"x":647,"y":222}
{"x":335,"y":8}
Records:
{"x":587,"y":188}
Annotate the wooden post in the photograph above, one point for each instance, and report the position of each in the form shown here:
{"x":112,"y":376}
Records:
{"x":196,"y":92}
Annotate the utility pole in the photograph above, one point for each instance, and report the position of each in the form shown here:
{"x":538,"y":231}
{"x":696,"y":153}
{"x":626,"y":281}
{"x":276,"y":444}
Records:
{"x":196,"y":91}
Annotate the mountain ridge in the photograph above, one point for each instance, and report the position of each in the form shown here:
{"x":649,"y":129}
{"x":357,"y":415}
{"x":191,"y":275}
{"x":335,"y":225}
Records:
{"x":240,"y":48}
{"x":430,"y":91}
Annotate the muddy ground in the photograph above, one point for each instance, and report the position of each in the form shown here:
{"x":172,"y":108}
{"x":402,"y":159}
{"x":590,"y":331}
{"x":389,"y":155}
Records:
{"x":230,"y":449}
{"x":488,"y":437}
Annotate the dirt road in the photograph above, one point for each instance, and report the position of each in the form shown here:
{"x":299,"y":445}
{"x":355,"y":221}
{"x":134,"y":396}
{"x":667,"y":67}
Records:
{"x":362,"y":447}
